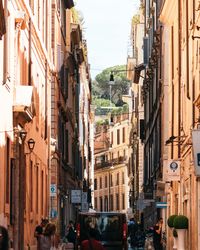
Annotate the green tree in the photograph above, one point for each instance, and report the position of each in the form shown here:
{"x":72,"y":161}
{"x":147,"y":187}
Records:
{"x":101,"y":88}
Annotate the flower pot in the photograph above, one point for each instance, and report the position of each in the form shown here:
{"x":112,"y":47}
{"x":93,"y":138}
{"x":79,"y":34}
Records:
{"x":181,"y":239}
{"x":175,"y":246}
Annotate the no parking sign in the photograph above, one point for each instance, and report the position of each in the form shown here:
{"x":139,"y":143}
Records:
{"x":53,"y":190}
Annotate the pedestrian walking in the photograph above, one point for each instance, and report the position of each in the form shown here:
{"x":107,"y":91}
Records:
{"x":49,"y":240}
{"x":70,"y":233}
{"x":157,"y":235}
{"x":39,"y":231}
{"x":4,"y":238}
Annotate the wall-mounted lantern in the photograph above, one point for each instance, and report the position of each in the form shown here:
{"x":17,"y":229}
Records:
{"x":31,"y":144}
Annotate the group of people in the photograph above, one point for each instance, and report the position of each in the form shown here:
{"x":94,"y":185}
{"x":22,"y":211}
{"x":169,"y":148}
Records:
{"x":137,"y":236}
{"x":46,"y":236}
{"x":91,"y":243}
{"x":48,"y":239}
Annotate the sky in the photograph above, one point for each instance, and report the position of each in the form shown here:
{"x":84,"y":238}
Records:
{"x":106,"y":28}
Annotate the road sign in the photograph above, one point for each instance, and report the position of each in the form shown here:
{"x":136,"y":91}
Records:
{"x":84,"y":197}
{"x":76,"y":196}
{"x":53,"y":190}
{"x":161,"y":204}
{"x":54,"y":213}
{"x":84,"y":207}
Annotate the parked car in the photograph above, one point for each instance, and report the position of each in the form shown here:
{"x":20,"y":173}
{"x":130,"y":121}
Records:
{"x":111,"y":228}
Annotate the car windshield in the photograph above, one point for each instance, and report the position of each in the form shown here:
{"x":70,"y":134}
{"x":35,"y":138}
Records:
{"x":108,"y":227}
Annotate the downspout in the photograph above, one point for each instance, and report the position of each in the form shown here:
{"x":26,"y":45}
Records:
{"x":30,"y":57}
{"x":179,"y":77}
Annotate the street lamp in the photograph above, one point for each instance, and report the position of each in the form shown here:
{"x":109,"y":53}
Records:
{"x":31,"y":144}
{"x":111,"y":82}
{"x":137,"y":69}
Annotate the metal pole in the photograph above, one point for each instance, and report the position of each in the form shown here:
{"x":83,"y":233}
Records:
{"x":110,"y":94}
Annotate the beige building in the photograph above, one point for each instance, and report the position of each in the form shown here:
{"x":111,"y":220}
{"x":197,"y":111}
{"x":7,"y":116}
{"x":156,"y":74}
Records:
{"x":111,"y":191}
{"x":180,"y":20}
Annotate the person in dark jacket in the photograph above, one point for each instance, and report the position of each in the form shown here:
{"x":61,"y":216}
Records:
{"x":71,"y":234}
{"x":157,"y":235}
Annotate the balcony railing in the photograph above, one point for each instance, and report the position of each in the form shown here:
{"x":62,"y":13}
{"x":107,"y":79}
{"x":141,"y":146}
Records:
{"x":115,"y":161}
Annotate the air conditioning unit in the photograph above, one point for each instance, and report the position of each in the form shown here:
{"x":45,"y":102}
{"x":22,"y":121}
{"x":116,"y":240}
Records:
{"x":171,"y":170}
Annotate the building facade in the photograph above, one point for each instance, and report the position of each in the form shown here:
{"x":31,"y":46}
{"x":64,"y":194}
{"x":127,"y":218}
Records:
{"x":181,"y":111}
{"x":152,"y":95}
{"x":134,"y":61}
{"x":111,"y":148}
{"x":44,"y":76}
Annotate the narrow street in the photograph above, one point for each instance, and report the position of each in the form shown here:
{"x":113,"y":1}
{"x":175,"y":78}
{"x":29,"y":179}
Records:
{"x":99,"y":123}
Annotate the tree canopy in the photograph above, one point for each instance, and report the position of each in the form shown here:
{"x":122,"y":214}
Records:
{"x":101,"y":87}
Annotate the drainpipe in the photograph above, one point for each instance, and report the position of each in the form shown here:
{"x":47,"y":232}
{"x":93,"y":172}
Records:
{"x":179,"y":76}
{"x":30,"y":57}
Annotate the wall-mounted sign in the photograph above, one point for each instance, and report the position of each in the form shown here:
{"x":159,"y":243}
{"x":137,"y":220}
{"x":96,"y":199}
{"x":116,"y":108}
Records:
{"x":161,"y":204}
{"x":196,"y":150}
{"x":160,"y":189}
{"x":76,"y":196}
{"x":53,"y":190}
{"x":171,"y":170}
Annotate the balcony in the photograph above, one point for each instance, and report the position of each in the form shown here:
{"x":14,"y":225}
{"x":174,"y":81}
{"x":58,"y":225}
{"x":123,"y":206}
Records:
{"x":115,"y":161}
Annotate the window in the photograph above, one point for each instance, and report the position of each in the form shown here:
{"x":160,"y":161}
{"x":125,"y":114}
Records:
{"x":31,"y":185}
{"x":95,"y":184}
{"x":101,"y":203}
{"x":106,"y":203}
{"x":7,"y":170}
{"x":123,"y":201}
{"x":100,"y":183}
{"x":12,"y":181}
{"x":42,"y":192}
{"x":123,"y":178}
{"x":37,"y":187}
{"x":117,"y":201}
{"x":117,"y":180}
{"x":111,"y":180}
{"x":106,"y":181}
{"x":118,"y":137}
{"x":111,"y":138}
{"x":66,"y":146}
{"x":123,"y":135}
{"x":111,"y":203}
{"x":95,"y":203}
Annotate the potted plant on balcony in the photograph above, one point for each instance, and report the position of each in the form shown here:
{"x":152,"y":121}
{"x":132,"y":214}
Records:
{"x":181,"y":225}
{"x":170,"y":223}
